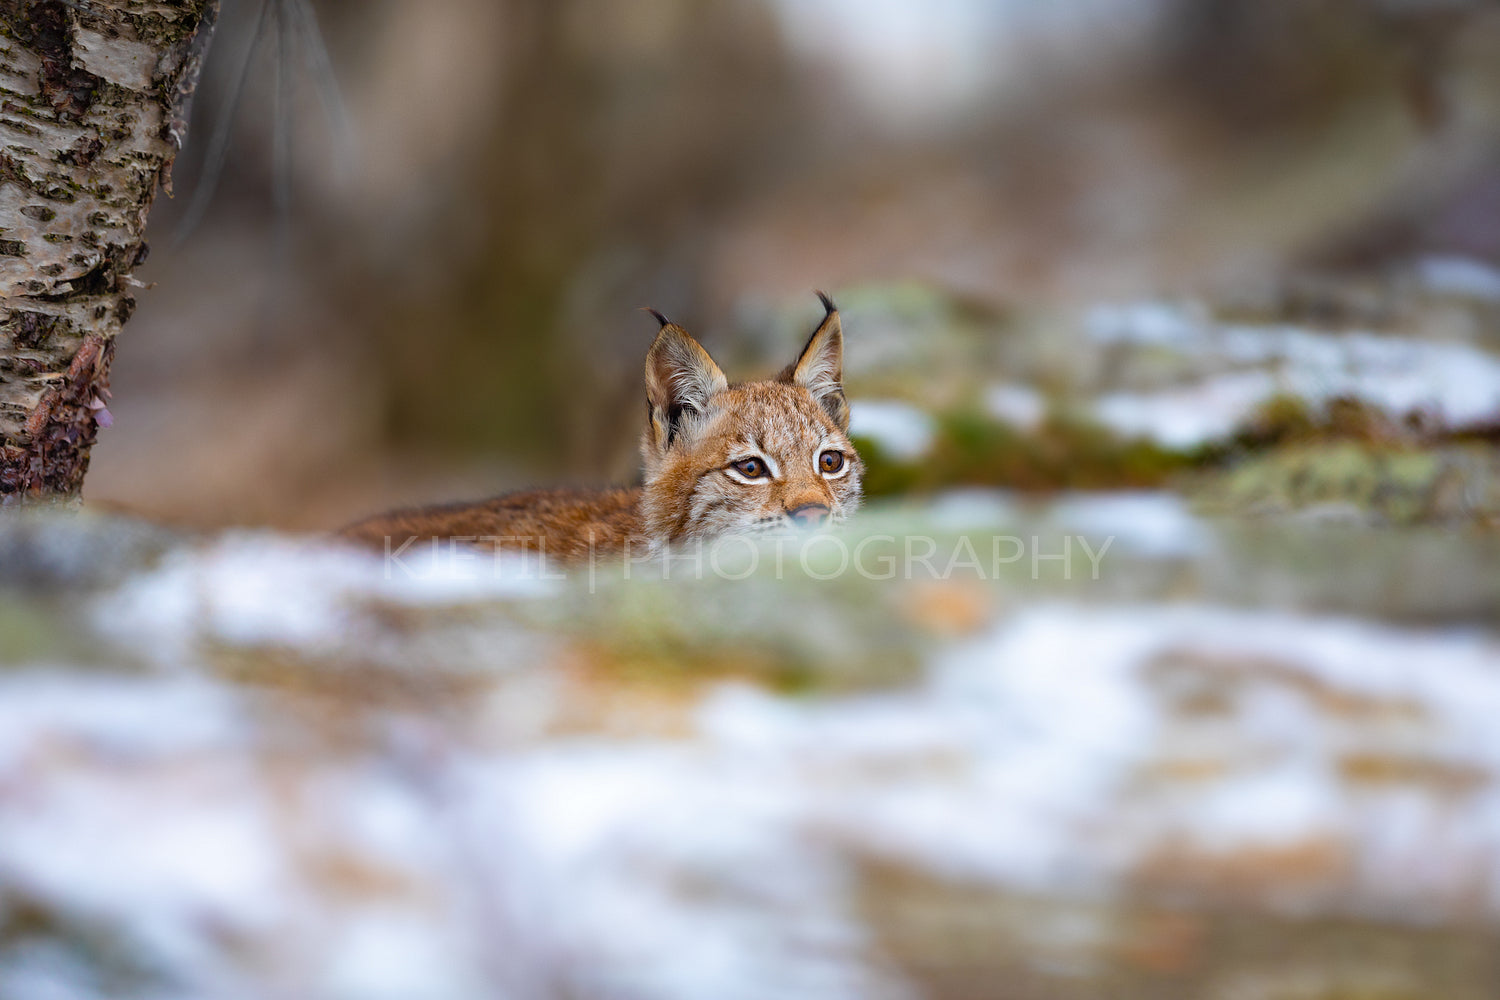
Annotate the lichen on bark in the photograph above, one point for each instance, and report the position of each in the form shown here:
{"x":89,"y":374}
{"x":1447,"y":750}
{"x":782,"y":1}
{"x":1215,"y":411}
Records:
{"x":93,"y":109}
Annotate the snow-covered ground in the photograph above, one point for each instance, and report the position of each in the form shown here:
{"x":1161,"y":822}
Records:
{"x":1239,"y":367}
{"x":903,"y":431}
{"x":281,"y":773}
{"x":1175,"y":373}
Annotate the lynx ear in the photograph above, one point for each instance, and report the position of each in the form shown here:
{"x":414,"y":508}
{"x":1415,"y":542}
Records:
{"x":820,"y":369}
{"x":680,"y":379}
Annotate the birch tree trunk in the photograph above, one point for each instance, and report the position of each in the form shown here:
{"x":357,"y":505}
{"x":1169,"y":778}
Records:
{"x":94,"y":98}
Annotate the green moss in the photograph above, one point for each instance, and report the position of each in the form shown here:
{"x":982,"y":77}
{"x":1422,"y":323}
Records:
{"x":1064,"y":452}
{"x":26,"y":633}
{"x":885,"y":476}
{"x":1398,"y":484}
{"x":34,"y":631}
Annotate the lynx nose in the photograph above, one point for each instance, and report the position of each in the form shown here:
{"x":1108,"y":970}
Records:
{"x":809,"y":515}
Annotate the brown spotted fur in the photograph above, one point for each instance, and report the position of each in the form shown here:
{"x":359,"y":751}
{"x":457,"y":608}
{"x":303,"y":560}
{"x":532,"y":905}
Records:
{"x":697,"y":426}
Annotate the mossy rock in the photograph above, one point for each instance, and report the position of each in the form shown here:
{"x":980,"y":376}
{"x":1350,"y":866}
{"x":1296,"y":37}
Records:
{"x":1064,"y":451}
{"x":1361,"y":483}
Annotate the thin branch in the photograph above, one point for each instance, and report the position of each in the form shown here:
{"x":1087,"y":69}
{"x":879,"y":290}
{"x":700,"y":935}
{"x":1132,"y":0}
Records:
{"x":326,"y":82}
{"x":218,"y":147}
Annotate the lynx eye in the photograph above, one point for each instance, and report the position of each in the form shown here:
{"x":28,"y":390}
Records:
{"x":750,"y":468}
{"x":831,"y":461}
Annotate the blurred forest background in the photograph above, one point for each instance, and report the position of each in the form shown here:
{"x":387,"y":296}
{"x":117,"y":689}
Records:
{"x":425,"y":287}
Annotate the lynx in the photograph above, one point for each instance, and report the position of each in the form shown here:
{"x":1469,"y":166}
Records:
{"x":718,"y":459}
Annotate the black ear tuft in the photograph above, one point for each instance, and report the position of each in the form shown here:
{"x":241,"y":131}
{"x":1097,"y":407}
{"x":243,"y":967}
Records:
{"x":820,"y":368}
{"x":659,"y":317}
{"x":827,"y":300}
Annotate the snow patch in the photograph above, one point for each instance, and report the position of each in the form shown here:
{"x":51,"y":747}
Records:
{"x":1017,"y":405}
{"x":262,"y":589}
{"x":1456,"y":383}
{"x":726,"y":862}
{"x":1463,"y":277}
{"x":901,"y":430}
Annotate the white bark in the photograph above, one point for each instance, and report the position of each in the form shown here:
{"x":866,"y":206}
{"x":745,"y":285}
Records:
{"x":93,"y":108}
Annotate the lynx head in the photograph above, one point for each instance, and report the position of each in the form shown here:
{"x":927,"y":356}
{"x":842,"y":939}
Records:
{"x":748,"y":458}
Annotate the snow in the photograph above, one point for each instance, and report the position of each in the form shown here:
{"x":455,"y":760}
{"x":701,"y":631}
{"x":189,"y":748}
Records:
{"x":1460,"y":276}
{"x":1190,"y":416}
{"x":237,"y":589}
{"x":1153,"y":524}
{"x":1457,"y":383}
{"x":903,"y":431}
{"x":1159,"y":525}
{"x":1015,"y":762}
{"x":1166,"y":324}
{"x":974,"y":507}
{"x":254,"y":843}
{"x":1018,"y":405}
